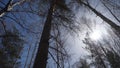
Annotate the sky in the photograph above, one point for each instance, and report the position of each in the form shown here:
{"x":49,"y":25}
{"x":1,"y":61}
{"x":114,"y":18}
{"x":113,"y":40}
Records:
{"x":74,"y":44}
{"x":98,"y":30}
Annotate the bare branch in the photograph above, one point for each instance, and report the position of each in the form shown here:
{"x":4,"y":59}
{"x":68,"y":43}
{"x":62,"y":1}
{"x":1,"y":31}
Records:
{"x":53,"y":58}
{"x":57,"y":50}
{"x":4,"y":26}
{"x":21,"y":25}
{"x":9,"y":6}
{"x":111,"y":12}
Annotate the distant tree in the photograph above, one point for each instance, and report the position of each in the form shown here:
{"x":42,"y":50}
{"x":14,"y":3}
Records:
{"x":82,"y":63}
{"x":97,"y":54}
{"x":10,"y":49}
{"x":113,"y":58}
{"x":102,"y":57}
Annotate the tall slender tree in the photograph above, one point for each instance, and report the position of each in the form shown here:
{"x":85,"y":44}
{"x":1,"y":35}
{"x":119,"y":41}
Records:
{"x":42,"y":53}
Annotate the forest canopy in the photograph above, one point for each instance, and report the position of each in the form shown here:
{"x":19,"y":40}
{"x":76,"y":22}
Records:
{"x":59,"y":33}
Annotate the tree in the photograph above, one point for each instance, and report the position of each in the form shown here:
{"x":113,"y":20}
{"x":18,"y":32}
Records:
{"x":82,"y":63}
{"x":41,"y":58}
{"x":57,"y":47}
{"x":42,"y":53}
{"x":96,"y":54}
{"x":8,"y":7}
{"x":107,"y":20}
{"x":10,"y":49}
{"x":108,"y":8}
{"x":113,"y":59}
{"x":103,"y":55}
{"x":15,"y":13}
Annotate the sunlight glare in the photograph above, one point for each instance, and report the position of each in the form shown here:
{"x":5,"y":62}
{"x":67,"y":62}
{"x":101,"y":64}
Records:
{"x":96,"y":35}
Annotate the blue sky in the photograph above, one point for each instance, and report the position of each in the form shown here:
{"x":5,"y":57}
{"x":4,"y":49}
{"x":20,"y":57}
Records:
{"x":33,"y":22}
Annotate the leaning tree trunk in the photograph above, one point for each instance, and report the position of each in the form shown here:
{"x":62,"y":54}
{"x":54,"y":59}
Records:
{"x":42,"y":53}
{"x":111,"y":23}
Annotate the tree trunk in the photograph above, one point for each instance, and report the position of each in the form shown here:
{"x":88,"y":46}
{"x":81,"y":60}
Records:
{"x":111,"y":23}
{"x":42,"y":53}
